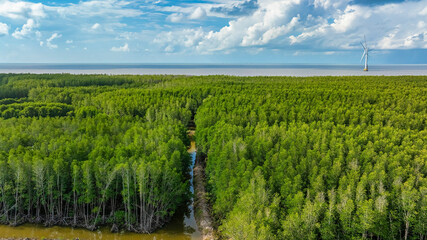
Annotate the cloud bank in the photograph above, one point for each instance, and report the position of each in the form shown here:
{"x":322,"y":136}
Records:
{"x":225,"y":28}
{"x":299,"y":24}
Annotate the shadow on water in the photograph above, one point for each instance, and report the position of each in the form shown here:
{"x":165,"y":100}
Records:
{"x":182,"y":226}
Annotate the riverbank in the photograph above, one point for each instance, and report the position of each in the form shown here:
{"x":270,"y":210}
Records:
{"x":201,"y":206}
{"x":200,"y":203}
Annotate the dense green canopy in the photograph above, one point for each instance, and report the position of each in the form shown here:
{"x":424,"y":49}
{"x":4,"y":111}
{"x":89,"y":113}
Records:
{"x":318,"y":158}
{"x":287,"y":158}
{"x":90,"y":150}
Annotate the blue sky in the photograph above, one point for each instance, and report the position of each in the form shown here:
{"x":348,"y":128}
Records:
{"x":216,"y":31}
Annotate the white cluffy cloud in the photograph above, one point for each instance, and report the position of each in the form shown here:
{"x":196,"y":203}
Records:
{"x":21,"y":9}
{"x":26,"y":29}
{"x":176,"y":17}
{"x":49,"y":43}
{"x":49,"y":40}
{"x":124,"y":48}
{"x":95,"y":26}
{"x":197,"y":13}
{"x":4,"y":29}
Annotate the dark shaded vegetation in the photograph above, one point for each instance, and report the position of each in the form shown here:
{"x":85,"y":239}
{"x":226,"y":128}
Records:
{"x":287,"y":158}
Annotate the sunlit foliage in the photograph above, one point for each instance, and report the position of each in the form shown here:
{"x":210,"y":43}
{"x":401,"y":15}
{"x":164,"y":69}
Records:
{"x":287,"y":158}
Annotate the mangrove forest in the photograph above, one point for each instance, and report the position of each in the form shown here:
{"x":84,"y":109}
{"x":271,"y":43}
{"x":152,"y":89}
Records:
{"x":283,"y":157}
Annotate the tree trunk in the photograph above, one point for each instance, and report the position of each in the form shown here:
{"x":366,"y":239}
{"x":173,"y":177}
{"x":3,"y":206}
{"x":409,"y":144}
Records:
{"x":406,"y":229}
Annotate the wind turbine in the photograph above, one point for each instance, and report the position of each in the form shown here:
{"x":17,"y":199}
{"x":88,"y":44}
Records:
{"x":365,"y":53}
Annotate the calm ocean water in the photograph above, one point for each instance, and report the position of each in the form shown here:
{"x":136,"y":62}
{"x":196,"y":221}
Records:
{"x":218,"y":69}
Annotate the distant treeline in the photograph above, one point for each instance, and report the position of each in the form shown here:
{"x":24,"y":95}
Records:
{"x":287,"y":158}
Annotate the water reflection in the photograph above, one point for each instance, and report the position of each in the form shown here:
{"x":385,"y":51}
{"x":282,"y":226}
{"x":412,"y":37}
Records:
{"x":189,"y":219}
{"x":40,"y":232}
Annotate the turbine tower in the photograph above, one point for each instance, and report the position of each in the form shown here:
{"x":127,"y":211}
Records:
{"x":365,"y":53}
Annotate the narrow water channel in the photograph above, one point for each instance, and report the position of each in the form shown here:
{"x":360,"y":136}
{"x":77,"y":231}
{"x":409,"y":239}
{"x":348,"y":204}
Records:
{"x":182,"y":227}
{"x":190,"y":220}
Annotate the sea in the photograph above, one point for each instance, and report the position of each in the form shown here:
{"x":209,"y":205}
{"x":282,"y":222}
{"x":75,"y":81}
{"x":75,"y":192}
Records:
{"x":218,"y":69}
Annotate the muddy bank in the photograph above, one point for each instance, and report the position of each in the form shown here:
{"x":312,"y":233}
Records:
{"x":203,"y":218}
{"x":200,"y":204}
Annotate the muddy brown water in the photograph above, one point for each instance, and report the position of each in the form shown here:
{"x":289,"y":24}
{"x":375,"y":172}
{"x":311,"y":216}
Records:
{"x":182,"y":227}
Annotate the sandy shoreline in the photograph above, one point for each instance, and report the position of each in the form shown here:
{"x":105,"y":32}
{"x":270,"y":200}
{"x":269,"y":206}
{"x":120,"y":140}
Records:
{"x":299,"y":70}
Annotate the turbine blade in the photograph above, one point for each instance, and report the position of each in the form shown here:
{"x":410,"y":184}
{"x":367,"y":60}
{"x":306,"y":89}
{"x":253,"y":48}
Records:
{"x":363,"y":55}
